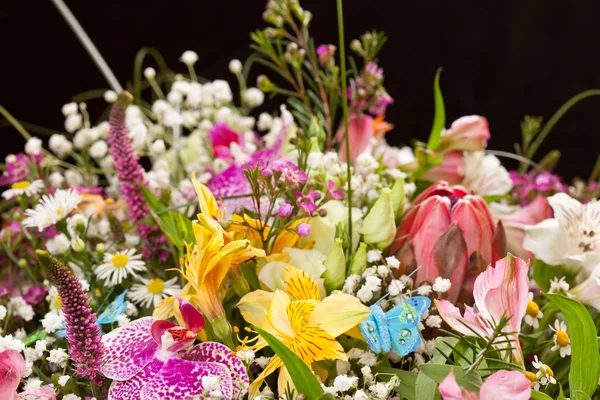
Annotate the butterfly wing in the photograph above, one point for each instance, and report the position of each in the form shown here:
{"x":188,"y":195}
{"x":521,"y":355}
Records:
{"x":374,"y":330}
{"x":114,"y":310}
{"x":403,"y":324}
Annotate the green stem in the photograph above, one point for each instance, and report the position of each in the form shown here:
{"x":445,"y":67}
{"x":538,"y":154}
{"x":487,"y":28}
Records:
{"x":345,"y":108}
{"x":556,"y":117}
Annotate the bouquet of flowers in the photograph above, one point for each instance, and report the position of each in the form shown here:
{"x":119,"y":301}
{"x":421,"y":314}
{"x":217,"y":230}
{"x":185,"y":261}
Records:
{"x":187,"y":248}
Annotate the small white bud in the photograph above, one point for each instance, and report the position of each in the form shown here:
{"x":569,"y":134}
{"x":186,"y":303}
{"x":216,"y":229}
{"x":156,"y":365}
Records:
{"x":69,"y":109}
{"x":235,"y":66}
{"x":149,"y":73}
{"x":158,"y":147}
{"x":110,"y":96}
{"x":189,"y":57}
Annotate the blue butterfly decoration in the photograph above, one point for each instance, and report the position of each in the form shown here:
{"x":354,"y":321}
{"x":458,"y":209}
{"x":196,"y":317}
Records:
{"x":109,"y":316}
{"x":398,"y":327}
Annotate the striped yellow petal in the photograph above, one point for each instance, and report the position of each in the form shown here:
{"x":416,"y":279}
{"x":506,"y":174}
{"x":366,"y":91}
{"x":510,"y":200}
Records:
{"x":300,"y":285}
{"x":254,"y":390}
{"x":254,"y":306}
{"x":339,"y":313}
{"x":314,"y":344}
{"x":298,"y":313}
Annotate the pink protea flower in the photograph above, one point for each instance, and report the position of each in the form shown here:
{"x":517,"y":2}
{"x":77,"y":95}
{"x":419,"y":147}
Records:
{"x":131,"y":176}
{"x":83,"y":334}
{"x":152,"y":358}
{"x":512,"y":385}
{"x":501,"y":291}
{"x":12,"y":367}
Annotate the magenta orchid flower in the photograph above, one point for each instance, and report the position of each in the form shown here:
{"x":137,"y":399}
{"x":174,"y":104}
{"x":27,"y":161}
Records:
{"x":221,"y":139}
{"x":501,"y":385}
{"x":307,"y":201}
{"x":155,"y":359}
{"x":500,"y":291}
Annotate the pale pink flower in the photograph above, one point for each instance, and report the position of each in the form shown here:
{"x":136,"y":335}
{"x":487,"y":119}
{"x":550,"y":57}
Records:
{"x":468,"y":133}
{"x":501,"y":385}
{"x":12,"y":366}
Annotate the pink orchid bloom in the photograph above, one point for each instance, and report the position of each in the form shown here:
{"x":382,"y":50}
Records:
{"x":221,"y":138}
{"x":468,"y":133}
{"x":152,"y":358}
{"x":500,"y":291}
{"x":360,"y":133}
{"x":501,"y":385}
{"x":516,"y":223}
{"x":12,"y":367}
{"x":449,"y":233}
{"x":451,"y":169}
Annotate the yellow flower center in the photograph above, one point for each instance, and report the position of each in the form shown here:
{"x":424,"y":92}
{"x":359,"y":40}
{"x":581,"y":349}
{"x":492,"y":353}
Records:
{"x":531,"y":376}
{"x":59,"y":211}
{"x":58,"y":302}
{"x":562,"y":338}
{"x":549,"y":371}
{"x":120,"y":260}
{"x":156,"y":286}
{"x":21,"y":185}
{"x":532,"y":309}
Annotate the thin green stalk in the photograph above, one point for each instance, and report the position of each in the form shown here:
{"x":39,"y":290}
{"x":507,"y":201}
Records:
{"x":340,"y":16}
{"x":556,"y":117}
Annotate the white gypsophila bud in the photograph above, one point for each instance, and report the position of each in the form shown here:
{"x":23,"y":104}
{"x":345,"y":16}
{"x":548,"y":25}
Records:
{"x":33,"y":146}
{"x":73,"y":122}
{"x":60,"y":145}
{"x":235,"y":66}
{"x":110,"y":96}
{"x":99,"y":149}
{"x":189,"y":57}
{"x":149,"y":73}
{"x":56,"y":179}
{"x":174,"y":98}
{"x":253,"y":97}
{"x":11,"y":158}
{"x":69,"y":109}
{"x":158,"y":147}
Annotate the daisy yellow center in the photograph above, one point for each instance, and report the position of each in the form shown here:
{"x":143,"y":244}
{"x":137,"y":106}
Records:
{"x":59,"y":211}
{"x":549,"y":371}
{"x":21,"y":185}
{"x":532,"y":309}
{"x":531,"y":376}
{"x":156,"y":286}
{"x":562,"y":338}
{"x":120,"y":260}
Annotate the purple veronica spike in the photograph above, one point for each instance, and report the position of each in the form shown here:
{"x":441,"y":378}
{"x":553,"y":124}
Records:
{"x":219,"y":353}
{"x":131,"y":388}
{"x":129,"y":349}
{"x":182,"y":379}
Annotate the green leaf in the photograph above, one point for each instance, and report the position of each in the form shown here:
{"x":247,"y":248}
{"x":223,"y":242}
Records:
{"x":585,"y":359}
{"x":544,"y":273}
{"x":408,"y":380}
{"x":535,"y":395}
{"x":302,"y":376}
{"x":470,"y":381}
{"x":425,"y":387}
{"x":439,"y":120}
{"x":561,"y":395}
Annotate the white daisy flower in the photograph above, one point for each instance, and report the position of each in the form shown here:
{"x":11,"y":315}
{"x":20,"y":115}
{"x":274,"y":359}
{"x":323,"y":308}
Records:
{"x":533,"y":313}
{"x":118,"y":266}
{"x":23,"y":188}
{"x":559,"y":285}
{"x":153,"y":291}
{"x":52,"y":209}
{"x":545,"y":375}
{"x":562,"y":341}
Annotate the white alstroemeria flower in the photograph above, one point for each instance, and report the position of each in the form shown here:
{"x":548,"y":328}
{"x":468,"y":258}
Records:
{"x":484,"y":175}
{"x":571,"y":238}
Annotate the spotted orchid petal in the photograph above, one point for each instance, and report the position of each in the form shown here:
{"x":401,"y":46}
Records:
{"x":130,"y":389}
{"x":182,"y":379}
{"x":219,"y":353}
{"x":194,"y":321}
{"x":128,"y":349}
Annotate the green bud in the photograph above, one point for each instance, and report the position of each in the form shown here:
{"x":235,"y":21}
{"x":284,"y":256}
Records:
{"x":22,"y":263}
{"x":77,"y":244}
{"x":398,"y":197}
{"x":100,"y":249}
{"x":335,"y":264}
{"x":379,"y":226}
{"x":356,"y":46}
{"x":265,"y":84}
{"x":359,"y":260}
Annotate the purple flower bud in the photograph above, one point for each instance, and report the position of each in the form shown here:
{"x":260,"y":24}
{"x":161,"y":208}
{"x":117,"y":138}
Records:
{"x":285,"y":210}
{"x":303,"y":229}
{"x":266,"y":172}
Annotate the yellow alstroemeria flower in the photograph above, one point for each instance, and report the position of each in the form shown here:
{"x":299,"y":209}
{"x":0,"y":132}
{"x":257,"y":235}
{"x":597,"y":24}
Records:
{"x":300,"y":320}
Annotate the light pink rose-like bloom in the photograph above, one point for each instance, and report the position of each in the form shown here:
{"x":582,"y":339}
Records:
{"x":468,"y":133}
{"x":12,"y":366}
{"x":501,"y":385}
{"x":500,"y":291}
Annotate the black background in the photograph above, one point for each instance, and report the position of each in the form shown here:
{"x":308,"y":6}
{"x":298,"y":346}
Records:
{"x":501,"y":59}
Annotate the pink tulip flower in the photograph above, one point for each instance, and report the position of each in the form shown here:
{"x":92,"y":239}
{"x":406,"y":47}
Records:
{"x":451,"y":169}
{"x":450,"y":234}
{"x":500,"y":291}
{"x":12,"y":367}
{"x":501,"y":385}
{"x":468,"y":133}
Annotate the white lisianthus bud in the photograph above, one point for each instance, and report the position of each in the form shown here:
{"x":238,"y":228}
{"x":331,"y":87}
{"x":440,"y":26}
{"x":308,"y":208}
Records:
{"x":110,"y":96}
{"x":77,"y":244}
{"x":150,"y":73}
{"x":189,"y":57}
{"x":235,"y":66}
{"x":253,"y":97}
